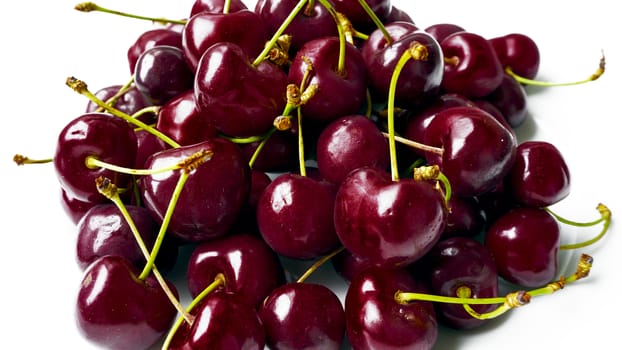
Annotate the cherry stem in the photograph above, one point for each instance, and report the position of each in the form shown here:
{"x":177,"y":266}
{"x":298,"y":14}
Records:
{"x":112,"y":101}
{"x":433,"y":172}
{"x":149,"y":109}
{"x":108,"y":189}
{"x":270,"y":44}
{"x":341,"y":63}
{"x":22,"y":160}
{"x":188,"y":166}
{"x":91,"y":6}
{"x":227,"y":7}
{"x":417,"y":145}
{"x":81,"y":87}
{"x":416,"y":51}
{"x":317,"y":265}
{"x":510,"y":301}
{"x":599,"y":72}
{"x":376,"y":21}
{"x":605,"y":218}
{"x":218,"y":282}
{"x":92,"y":162}
{"x":303,"y":99}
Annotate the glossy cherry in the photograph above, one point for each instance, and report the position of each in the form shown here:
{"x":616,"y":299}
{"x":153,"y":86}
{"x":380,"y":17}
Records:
{"x":519,"y":52}
{"x":75,"y":208}
{"x":357,"y":15}
{"x":216,"y":6}
{"x":180,"y":119}
{"x":442,"y":30}
{"x":511,"y":100}
{"x":149,"y":39}
{"x":129,"y":103}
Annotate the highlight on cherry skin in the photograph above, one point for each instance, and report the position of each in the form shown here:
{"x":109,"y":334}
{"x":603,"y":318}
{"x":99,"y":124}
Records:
{"x":357,"y":140}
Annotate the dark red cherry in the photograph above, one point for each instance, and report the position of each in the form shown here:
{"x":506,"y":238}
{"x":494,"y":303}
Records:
{"x":375,"y":320}
{"x":472,"y":68}
{"x":250,"y":268}
{"x":511,"y":100}
{"x":75,"y":208}
{"x":236,"y":109}
{"x":162,"y":73}
{"x":348,"y":265}
{"x":311,"y":23}
{"x":442,"y":30}
{"x":295,"y":217}
{"x":149,"y":39}
{"x":303,"y":316}
{"x":104,"y":231}
{"x":103,"y":136}
{"x":278,"y":154}
{"x":478,"y":151}
{"x":540,"y":176}
{"x":518,"y":52}
{"x":377,"y":40}
{"x":348,"y":143}
{"x":357,"y":15}
{"x":339,"y":92}
{"x":216,"y":6}
{"x":212,"y":196}
{"x":524,"y":243}
{"x":244,"y":28}
{"x":116,"y":310}
{"x":130,"y":102}
{"x":146,"y":145}
{"x":180,"y":119}
{"x":398,"y":15}
{"x":461,"y":262}
{"x":466,"y":217}
{"x":388,"y":222}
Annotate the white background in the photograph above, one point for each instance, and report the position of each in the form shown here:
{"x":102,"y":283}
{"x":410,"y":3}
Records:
{"x":44,"y":42}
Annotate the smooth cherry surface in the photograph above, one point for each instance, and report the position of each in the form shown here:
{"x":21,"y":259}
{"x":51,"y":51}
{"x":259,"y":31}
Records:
{"x":149,"y":39}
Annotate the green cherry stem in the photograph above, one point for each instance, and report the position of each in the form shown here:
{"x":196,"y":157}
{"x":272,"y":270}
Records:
{"x":316,"y":265}
{"x":605,"y":218}
{"x":227,"y":7}
{"x":108,"y":189}
{"x":91,"y":7}
{"x":81,"y":87}
{"x":372,"y":15}
{"x":599,"y":72}
{"x":92,"y":162}
{"x":341,"y":63}
{"x":112,"y":101}
{"x":416,"y":145}
{"x":433,"y":172}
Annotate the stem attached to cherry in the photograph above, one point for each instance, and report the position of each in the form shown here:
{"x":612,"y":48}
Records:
{"x":91,"y":7}
{"x":372,"y":15}
{"x":317,"y":265}
{"x":605,"y":218}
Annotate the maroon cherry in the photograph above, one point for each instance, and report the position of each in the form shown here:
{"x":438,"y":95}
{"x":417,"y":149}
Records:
{"x":478,"y":151}
{"x":212,"y":196}
{"x":333,"y":82}
{"x":295,"y":217}
{"x":524,"y":243}
{"x":241,"y":110}
{"x":398,"y":15}
{"x":442,"y":30}
{"x":75,"y":208}
{"x":388,"y":222}
{"x":149,"y":39}
{"x":472,"y":68}
{"x":518,"y":52}
{"x":278,"y":154}
{"x":216,"y":6}
{"x":540,"y":176}
{"x":511,"y":100}
{"x":244,"y":28}
{"x":348,"y":143}
{"x":249,"y":267}
{"x":348,"y":265}
{"x":103,"y":136}
{"x":466,"y":217}
{"x":180,"y":119}
{"x":376,"y":320}
{"x":116,"y":310}
{"x":357,"y":15}
{"x":146,"y":145}
{"x":303,"y":316}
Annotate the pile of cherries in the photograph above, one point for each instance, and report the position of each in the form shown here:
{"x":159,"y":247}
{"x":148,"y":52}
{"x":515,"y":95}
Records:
{"x":326,"y":130}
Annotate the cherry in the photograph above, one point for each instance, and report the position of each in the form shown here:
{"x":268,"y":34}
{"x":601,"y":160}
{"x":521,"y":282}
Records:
{"x":466,"y":217}
{"x":149,"y":39}
{"x":335,"y":78}
{"x":75,"y":208}
{"x":540,"y":176}
{"x":117,"y":310}
{"x":161,"y":73}
{"x":517,"y":52}
{"x":359,"y":17}
{"x":524,"y":243}
{"x":511,"y":100}
{"x":375,"y":320}
{"x":244,"y":28}
{"x":212,"y":197}
{"x":130,"y":102}
{"x":348,"y":265}
{"x":238,"y":257}
{"x":303,"y":316}
{"x":98,"y":135}
{"x":440,"y":31}
{"x":103,"y":230}
{"x":456,"y":266}
{"x":472,"y":68}
{"x":147,"y":144}
{"x":216,"y":6}
{"x":180,"y":119}
{"x":388,"y":222}
{"x":478,"y":151}
{"x":295,"y":217}
{"x":278,"y":154}
{"x":348,"y":143}
{"x":219,"y":94}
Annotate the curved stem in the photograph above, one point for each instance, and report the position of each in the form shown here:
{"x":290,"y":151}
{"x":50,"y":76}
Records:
{"x":605,"y":217}
{"x":149,"y":109}
{"x":22,"y":160}
{"x":317,"y":265}
{"x":341,"y":63}
{"x":90,"y":7}
{"x":599,"y":72}
{"x":92,"y":162}
{"x":112,"y":101}
{"x":376,"y":21}
{"x":416,"y":145}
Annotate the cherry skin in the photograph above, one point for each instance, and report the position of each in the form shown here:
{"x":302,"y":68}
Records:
{"x":239,"y":258}
{"x":375,"y":320}
{"x":216,"y":6}
{"x":108,"y":138}
{"x":279,"y":153}
{"x":461,"y":262}
{"x":75,"y":208}
{"x":388,"y":222}
{"x":181,"y":120}
{"x":303,"y":316}
{"x":466,"y":217}
{"x":442,"y":30}
{"x":511,"y":100}
{"x":149,"y":39}
{"x":472,"y":68}
{"x":130,"y":102}
{"x":518,"y":52}
{"x":295,"y":217}
{"x":116,"y":310}
{"x":236,"y":109}
{"x":244,"y":28}
{"x":348,"y":265}
{"x":478,"y":151}
{"x":398,"y":15}
{"x":212,"y":196}
{"x":524,"y":243}
{"x":540,"y":176}
{"x":349,"y":143}
{"x":161,"y":74}
{"x":357,"y":15}
{"x":146,"y":145}
{"x":333,"y":85}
